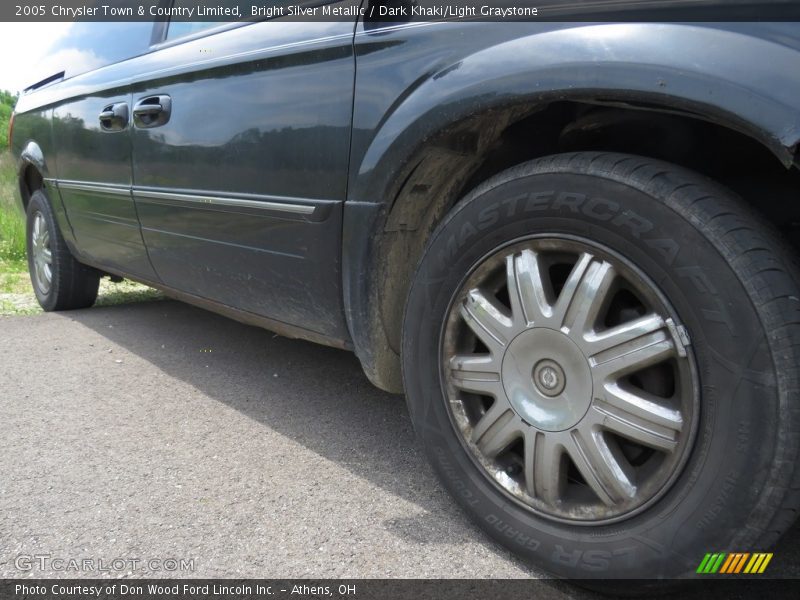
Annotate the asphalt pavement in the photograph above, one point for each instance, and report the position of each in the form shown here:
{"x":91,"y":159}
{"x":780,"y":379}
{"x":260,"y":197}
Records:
{"x":157,"y":432}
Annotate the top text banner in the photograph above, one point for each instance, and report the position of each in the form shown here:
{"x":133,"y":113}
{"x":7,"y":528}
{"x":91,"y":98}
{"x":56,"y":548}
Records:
{"x":399,"y":11}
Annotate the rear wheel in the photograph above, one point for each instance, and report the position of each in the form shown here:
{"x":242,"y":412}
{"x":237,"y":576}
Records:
{"x":601,"y":356}
{"x":59,"y":281}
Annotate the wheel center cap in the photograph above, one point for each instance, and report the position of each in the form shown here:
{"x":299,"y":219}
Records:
{"x":547,"y":379}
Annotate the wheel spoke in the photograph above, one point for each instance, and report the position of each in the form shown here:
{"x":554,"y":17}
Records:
{"x":545,"y":474}
{"x":527,"y":289}
{"x":502,"y":427}
{"x":41,"y":277}
{"x":622,"y":336}
{"x":477,"y":373}
{"x":487,"y":321}
{"x":630,"y":347}
{"x":497,"y":411}
{"x":583,"y":295}
{"x":605,"y":472}
{"x":639,"y":417}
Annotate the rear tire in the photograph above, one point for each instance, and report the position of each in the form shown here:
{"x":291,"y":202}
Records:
{"x":59,"y":281}
{"x":684,"y":250}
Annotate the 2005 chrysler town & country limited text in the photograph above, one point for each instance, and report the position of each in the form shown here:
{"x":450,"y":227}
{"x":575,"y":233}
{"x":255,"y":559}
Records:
{"x":573,"y":246}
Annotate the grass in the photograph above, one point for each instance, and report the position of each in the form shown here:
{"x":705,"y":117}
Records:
{"x":12,"y":226}
{"x":16,"y":293}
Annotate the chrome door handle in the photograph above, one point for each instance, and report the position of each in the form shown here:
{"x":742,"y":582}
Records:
{"x":153,"y":111}
{"x":114,"y":117}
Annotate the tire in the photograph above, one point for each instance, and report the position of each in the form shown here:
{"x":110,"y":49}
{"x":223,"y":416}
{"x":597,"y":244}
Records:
{"x":59,"y":281}
{"x":720,"y":476}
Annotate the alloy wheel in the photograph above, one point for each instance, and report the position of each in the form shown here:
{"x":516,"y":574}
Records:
{"x":42,"y":254}
{"x":569,"y":379}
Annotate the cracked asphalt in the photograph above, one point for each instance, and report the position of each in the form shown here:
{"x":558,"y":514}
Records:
{"x":161,"y":431}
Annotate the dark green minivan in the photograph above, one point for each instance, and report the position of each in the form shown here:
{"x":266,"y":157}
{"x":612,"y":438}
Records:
{"x":573,"y":246}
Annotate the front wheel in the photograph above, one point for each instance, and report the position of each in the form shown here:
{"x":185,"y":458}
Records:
{"x":59,"y":281}
{"x":600,"y":355}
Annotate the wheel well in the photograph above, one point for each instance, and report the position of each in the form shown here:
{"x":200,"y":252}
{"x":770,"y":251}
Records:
{"x":472,"y":151}
{"x":30,"y":181}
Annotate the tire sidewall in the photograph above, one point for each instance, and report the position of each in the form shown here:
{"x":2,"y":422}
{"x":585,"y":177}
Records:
{"x":719,"y":486}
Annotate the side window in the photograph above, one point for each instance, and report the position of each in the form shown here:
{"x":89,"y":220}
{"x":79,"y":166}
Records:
{"x":178,"y":28}
{"x":183,"y":28}
{"x":86,"y":46}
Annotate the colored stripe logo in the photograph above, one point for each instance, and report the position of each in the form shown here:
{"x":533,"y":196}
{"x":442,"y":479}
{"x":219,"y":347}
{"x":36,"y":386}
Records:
{"x":734,"y":563}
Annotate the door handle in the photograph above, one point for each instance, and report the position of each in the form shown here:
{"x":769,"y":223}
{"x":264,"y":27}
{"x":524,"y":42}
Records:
{"x":114,"y":117}
{"x":152,"y":111}
{"x":148,"y":109}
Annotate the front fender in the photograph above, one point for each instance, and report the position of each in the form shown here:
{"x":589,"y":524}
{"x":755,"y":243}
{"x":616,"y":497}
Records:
{"x":32,"y":154}
{"x":33,"y":128}
{"x":32,"y":143}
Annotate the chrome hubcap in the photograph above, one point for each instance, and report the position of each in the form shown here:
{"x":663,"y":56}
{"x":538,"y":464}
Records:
{"x":42,"y":254}
{"x":568,"y":381}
